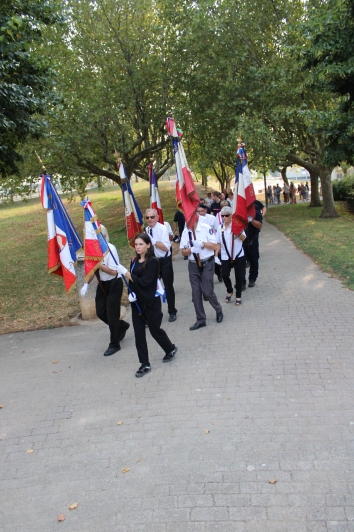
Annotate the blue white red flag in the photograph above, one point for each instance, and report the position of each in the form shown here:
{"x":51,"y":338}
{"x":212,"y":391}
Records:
{"x":155,"y":202}
{"x":63,"y":239}
{"x":244,"y":196}
{"x":133,"y":215}
{"x":187,"y":198}
{"x":95,"y":245}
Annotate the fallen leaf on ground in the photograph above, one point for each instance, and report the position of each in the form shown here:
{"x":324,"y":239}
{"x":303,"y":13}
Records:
{"x":273,"y":481}
{"x":139,"y":459}
{"x":55,"y":372}
{"x":1,"y":406}
{"x":61,"y":517}
{"x":206,"y":431}
{"x":55,"y":361}
{"x":139,"y":417}
{"x":119,"y":422}
{"x":30,"y":451}
{"x":126,"y":469}
{"x":212,"y":423}
{"x":73,"y":506}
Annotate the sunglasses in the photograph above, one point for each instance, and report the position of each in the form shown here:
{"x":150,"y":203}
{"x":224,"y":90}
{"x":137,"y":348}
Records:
{"x":150,"y":217}
{"x":225,"y":215}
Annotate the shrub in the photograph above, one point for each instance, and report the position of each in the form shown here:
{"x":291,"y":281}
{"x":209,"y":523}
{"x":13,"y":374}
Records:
{"x":344,"y":190}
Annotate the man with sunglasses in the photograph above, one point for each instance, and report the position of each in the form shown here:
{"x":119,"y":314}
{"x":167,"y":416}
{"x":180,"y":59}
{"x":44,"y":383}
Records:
{"x":198,"y":244}
{"x":162,"y":247}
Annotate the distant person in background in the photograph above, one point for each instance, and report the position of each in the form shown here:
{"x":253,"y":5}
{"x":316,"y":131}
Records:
{"x":275,"y":197}
{"x":278,"y":191}
{"x":208,"y":201}
{"x":292,"y":192}
{"x":226,"y":194}
{"x":215,"y":206}
{"x":230,"y":197}
{"x":286,"y":192}
{"x":269,"y":194}
{"x":178,"y":223}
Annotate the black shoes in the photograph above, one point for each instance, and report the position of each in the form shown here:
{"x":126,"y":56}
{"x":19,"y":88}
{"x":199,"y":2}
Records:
{"x":172,"y":317}
{"x":169,"y":356}
{"x":220,"y":278}
{"x":143,"y":370}
{"x":110,"y":351}
{"x":219,"y":317}
{"x":197,"y":326}
{"x":123,"y":332}
{"x":251,"y":284}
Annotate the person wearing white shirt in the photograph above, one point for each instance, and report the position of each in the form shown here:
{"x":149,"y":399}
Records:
{"x":160,"y":240}
{"x":199,"y":244}
{"x":232,"y":255}
{"x":108,"y":296}
{"x":214,"y":222}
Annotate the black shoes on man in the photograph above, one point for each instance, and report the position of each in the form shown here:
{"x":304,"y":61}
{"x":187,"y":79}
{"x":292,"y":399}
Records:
{"x":219,"y":317}
{"x":110,"y":351}
{"x":197,"y":326}
{"x":251,"y":284}
{"x":172,"y":317}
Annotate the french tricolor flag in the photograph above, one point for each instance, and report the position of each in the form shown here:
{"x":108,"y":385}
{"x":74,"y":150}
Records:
{"x":95,"y":245}
{"x":155,"y":202}
{"x":133,"y":215}
{"x":63,"y":239}
{"x":186,"y":194}
{"x":244,"y":196}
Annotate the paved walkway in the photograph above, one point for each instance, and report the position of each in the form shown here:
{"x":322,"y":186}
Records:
{"x":251,"y":428}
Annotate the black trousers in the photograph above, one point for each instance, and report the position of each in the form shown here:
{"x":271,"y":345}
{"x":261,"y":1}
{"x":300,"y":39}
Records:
{"x":108,"y":308}
{"x":239,"y":267}
{"x":166,"y":271}
{"x":252,"y":255}
{"x":153,"y":315}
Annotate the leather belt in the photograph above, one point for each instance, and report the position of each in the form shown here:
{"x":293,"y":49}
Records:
{"x":204,"y":262}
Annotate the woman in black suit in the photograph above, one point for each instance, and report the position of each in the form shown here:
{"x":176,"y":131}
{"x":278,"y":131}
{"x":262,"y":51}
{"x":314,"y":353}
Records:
{"x":144,"y":271}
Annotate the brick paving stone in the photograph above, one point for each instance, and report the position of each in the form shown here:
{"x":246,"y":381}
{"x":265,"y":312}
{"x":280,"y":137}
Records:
{"x":273,"y":384}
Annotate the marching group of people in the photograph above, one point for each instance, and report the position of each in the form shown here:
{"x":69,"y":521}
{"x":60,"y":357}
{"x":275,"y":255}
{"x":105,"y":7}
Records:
{"x":289,"y":192}
{"x":210,"y":248}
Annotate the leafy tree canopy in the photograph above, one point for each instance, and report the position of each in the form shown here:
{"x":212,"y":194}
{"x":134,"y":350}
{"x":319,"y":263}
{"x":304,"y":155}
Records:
{"x":25,"y":76}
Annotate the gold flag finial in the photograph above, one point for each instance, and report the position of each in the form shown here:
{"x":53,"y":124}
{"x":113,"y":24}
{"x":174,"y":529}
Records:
{"x":40,"y":161}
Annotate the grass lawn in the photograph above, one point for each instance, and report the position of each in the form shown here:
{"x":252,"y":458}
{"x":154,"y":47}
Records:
{"x":32,"y":299}
{"x":330,"y":242}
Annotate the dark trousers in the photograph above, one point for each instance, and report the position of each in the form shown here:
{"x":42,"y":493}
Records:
{"x":252,"y":255}
{"x":153,"y":315}
{"x":218,"y":268}
{"x":239,"y":267}
{"x":107,"y":300}
{"x":202,"y":283}
{"x":166,"y":271}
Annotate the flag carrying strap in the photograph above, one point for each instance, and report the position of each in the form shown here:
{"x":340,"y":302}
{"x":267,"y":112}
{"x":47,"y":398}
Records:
{"x":224,"y":242}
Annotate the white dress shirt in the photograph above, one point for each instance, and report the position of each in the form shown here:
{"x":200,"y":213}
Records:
{"x":229,"y":236}
{"x":108,"y":261}
{"x":204,"y":233}
{"x":159,"y":234}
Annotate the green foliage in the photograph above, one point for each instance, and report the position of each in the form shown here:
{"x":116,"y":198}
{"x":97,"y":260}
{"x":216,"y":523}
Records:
{"x":328,"y":52}
{"x":25,"y":77}
{"x":343,"y":190}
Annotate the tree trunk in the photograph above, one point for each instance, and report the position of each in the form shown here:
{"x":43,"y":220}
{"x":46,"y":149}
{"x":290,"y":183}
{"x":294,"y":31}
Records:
{"x":315,"y":195}
{"x":283,"y":174}
{"x":99,"y":182}
{"x":204,"y":180}
{"x":328,"y":208}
